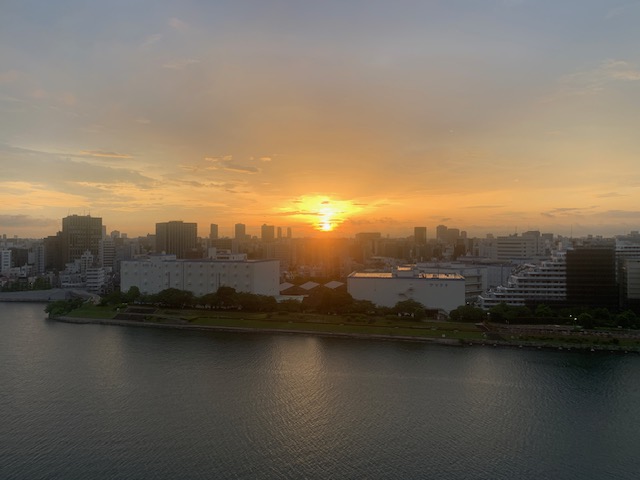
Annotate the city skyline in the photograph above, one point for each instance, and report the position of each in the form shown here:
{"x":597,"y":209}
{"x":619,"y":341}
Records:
{"x":499,"y":116}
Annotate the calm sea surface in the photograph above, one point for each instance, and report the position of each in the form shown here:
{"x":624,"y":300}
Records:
{"x":93,"y":402}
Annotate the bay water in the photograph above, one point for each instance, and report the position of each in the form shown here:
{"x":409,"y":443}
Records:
{"x":107,"y":402}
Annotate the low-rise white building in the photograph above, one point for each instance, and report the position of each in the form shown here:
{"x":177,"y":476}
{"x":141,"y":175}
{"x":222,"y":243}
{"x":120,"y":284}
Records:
{"x":155,"y":273}
{"x":442,"y":291}
{"x":544,"y":283}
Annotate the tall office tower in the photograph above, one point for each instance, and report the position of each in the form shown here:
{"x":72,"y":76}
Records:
{"x":279,"y":233}
{"x":267,"y":233}
{"x":79,"y":234}
{"x":288,"y":232}
{"x":240,"y":231}
{"x":176,"y":237}
{"x":107,"y":252}
{"x":420,"y":235}
{"x":213,"y":233}
{"x":591,"y":277}
{"x":441,"y":233}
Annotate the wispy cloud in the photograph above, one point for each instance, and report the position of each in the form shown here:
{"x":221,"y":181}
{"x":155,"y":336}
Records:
{"x":591,"y":82}
{"x":611,"y":195}
{"x":151,"y":40}
{"x":227,"y":163}
{"x":568,"y":211}
{"x":27,"y":221}
{"x":100,"y":153}
{"x":178,"y":24}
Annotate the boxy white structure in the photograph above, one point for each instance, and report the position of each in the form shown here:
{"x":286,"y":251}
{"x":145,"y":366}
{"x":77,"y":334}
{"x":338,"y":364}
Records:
{"x":159,"y":272}
{"x":442,"y":291}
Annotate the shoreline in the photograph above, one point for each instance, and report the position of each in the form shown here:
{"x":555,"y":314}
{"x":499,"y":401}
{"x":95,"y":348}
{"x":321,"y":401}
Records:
{"x":449,"y":342}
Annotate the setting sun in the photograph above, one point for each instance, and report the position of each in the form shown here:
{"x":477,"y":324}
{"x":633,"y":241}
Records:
{"x":322,"y":213}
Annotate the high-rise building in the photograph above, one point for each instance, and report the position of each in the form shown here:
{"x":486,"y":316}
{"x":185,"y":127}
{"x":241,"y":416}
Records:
{"x":420,"y":235}
{"x":591,"y":276}
{"x":441,"y":233}
{"x":80,"y":233}
{"x":213,"y":232}
{"x":267,"y":233}
{"x":176,"y":237}
{"x":240,"y":232}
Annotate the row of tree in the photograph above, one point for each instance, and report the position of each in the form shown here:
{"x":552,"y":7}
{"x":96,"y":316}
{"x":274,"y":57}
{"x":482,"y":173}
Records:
{"x":227,"y":298}
{"x":544,"y":314}
{"x":340,"y":302}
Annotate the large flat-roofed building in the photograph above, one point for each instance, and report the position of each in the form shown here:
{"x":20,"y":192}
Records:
{"x":159,"y":272}
{"x":442,"y":291}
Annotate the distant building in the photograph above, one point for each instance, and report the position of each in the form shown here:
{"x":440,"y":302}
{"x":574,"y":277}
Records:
{"x":159,"y":272}
{"x":5,"y":261}
{"x":442,"y":291}
{"x":591,"y":276}
{"x":531,"y":284}
{"x":213,"y":231}
{"x":267,"y":233}
{"x":420,"y":235}
{"x":176,"y":238}
{"x":240,"y":231}
{"x":522,"y":248}
{"x":79,"y":234}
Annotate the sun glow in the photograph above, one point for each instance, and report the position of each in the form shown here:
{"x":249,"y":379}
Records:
{"x":322,"y":213}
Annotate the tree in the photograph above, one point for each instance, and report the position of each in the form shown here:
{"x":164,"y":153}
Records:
{"x":290,"y":305}
{"x":175,"y":298}
{"x":62,"y":307}
{"x":410,"y":307}
{"x":467,"y":313}
{"x":543,"y":311}
{"x":627,"y":319}
{"x":227,"y":297}
{"x":132,"y":294}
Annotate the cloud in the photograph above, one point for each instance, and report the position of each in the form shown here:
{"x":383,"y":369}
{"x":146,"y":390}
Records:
{"x":568,"y":211}
{"x":483,"y":206}
{"x":178,"y":24}
{"x":611,"y":195}
{"x":9,"y":76}
{"x":241,"y":169}
{"x":591,"y":82}
{"x":27,"y":221}
{"x":621,"y":213}
{"x":151,"y":40}
{"x":227,"y":163}
{"x":100,"y":153}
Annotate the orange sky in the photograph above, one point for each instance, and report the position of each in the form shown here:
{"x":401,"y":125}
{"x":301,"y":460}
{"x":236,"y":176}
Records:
{"x":496,"y":116}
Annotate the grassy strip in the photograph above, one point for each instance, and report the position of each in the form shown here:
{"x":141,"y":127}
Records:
{"x":88,"y":310}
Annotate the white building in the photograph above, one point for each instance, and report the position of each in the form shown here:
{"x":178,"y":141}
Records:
{"x":159,"y":272}
{"x":5,"y":261}
{"x":475,"y":276}
{"x":96,"y":279}
{"x":442,"y":291}
{"x":544,"y":283}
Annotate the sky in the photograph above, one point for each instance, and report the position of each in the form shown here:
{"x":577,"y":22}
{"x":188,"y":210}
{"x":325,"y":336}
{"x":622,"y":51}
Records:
{"x":329,"y":117}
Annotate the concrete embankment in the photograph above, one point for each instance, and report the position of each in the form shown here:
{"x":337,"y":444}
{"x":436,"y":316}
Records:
{"x":209,"y":328}
{"x":364,"y":336}
{"x":37,"y":295}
